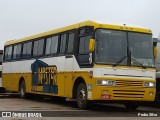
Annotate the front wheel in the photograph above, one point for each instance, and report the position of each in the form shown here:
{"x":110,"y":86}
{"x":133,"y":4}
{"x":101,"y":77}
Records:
{"x":131,"y":106}
{"x":22,"y":89}
{"x":82,"y":96}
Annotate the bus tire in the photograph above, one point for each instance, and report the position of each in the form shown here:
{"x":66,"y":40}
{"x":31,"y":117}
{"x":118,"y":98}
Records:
{"x":81,"y":96}
{"x":131,"y":106}
{"x":22,"y":90}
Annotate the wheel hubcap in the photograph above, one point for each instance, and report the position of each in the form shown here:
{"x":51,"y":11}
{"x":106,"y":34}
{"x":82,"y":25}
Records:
{"x":81,"y":96}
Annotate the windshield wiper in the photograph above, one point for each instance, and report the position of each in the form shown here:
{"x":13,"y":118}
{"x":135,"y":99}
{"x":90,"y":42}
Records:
{"x":121,"y":60}
{"x":134,"y":60}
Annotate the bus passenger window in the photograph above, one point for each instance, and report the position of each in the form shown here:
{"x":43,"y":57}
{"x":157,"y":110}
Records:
{"x":54,"y":45}
{"x":48,"y":46}
{"x":8,"y":53}
{"x":51,"y":45}
{"x":27,"y":48}
{"x":38,"y":47}
{"x":17,"y":51}
{"x":63,"y":43}
{"x":35,"y":51}
{"x":70,"y":43}
{"x":14,"y":51}
{"x":1,"y":58}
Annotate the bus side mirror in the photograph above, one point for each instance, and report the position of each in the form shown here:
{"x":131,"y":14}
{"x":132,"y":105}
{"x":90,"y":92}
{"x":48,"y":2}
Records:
{"x":155,"y":50}
{"x":91,"y":45}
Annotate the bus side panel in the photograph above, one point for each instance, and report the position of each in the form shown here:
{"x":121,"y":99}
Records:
{"x":14,"y":78}
{"x":60,"y":84}
{"x":14,"y":75}
{"x":25,"y":72}
{"x":6,"y":83}
{"x":68,"y":84}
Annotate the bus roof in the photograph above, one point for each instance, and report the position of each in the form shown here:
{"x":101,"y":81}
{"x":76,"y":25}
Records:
{"x":81,"y":24}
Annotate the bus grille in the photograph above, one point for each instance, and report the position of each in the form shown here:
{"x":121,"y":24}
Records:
{"x":126,"y":83}
{"x":137,"y":94}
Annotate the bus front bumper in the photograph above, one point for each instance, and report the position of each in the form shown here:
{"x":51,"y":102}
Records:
{"x":124,"y":93}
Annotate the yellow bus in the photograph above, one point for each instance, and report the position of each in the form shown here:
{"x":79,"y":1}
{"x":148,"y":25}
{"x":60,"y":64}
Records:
{"x":88,"y":62}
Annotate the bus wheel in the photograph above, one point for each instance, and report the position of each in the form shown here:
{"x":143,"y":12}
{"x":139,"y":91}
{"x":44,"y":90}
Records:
{"x":82,"y":96}
{"x":131,"y":106}
{"x":22,"y":89}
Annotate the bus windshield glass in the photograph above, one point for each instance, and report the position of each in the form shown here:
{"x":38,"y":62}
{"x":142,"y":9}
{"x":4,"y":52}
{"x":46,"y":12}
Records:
{"x":141,"y":48}
{"x":114,"y":47}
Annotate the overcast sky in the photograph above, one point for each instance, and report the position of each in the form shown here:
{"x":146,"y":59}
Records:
{"x":21,"y":18}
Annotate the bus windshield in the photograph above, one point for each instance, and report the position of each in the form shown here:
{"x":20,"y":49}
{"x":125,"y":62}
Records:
{"x":112,"y":47}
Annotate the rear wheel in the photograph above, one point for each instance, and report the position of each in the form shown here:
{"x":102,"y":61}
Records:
{"x":82,"y":96}
{"x":22,"y":89}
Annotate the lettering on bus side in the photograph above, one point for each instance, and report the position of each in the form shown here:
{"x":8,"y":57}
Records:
{"x":45,"y":76}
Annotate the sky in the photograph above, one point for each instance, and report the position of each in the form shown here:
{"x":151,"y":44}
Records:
{"x":21,"y":18}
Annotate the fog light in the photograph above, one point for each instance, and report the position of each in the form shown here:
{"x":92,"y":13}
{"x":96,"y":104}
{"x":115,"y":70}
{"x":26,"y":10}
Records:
{"x":151,"y":93}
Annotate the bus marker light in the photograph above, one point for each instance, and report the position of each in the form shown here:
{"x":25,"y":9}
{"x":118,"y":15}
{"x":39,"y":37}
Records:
{"x":90,"y":74}
{"x":89,"y":86}
{"x":89,"y":95}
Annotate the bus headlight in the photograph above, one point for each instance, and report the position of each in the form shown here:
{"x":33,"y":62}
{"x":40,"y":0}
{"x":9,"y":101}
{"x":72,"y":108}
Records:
{"x":105,"y":82}
{"x":149,"y":84}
